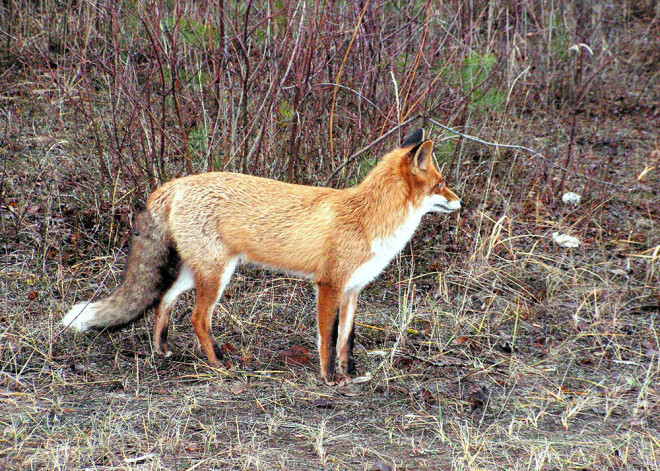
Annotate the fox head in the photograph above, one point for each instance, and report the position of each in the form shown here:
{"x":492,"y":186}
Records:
{"x":424,"y":178}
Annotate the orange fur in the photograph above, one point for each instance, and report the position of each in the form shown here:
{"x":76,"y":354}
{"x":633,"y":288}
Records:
{"x":339,"y":238}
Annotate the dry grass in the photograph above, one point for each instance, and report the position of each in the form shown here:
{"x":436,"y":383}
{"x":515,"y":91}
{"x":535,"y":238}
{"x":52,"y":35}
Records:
{"x":490,"y":346}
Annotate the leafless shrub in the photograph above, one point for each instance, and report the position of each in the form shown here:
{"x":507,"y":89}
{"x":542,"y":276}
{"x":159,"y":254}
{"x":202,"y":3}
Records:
{"x":490,"y":345}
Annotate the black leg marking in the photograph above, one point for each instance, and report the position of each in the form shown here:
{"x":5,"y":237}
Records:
{"x":218,"y":351}
{"x":335,"y":330}
{"x":350,"y":363}
{"x":333,"y":343}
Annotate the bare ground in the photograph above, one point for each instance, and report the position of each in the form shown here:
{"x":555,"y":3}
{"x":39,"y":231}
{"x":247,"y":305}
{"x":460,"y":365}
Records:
{"x":485,"y":345}
{"x":537,"y":358}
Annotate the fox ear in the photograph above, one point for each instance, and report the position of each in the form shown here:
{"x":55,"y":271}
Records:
{"x":421,"y":156}
{"x":414,"y":138}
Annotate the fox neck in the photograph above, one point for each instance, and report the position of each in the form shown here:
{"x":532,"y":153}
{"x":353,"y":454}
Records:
{"x":389,"y":214}
{"x":384,"y":202}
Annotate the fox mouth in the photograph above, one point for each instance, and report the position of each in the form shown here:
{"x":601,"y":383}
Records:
{"x":448,"y":207}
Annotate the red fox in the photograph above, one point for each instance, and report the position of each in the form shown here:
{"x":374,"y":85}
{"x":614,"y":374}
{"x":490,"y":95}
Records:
{"x":197,"y":229}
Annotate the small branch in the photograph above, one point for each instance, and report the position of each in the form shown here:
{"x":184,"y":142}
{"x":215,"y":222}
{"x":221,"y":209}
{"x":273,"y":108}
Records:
{"x":526,"y":149}
{"x":364,"y":149}
{"x":341,"y":69}
{"x":438,"y":364}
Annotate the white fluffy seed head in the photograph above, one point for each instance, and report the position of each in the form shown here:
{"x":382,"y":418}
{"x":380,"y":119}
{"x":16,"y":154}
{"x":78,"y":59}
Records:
{"x":571,"y":198}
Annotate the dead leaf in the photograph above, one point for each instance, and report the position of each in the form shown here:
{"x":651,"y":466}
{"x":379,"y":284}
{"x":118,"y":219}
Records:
{"x":403,"y":362}
{"x":194,"y":447}
{"x":349,"y":389}
{"x":380,"y":466}
{"x":295,"y":356}
{"x":324,"y":404}
{"x":78,"y":368}
{"x":460,"y":340}
{"x":228,"y":348}
{"x":237,"y":387}
{"x":477,"y":397}
{"x":428,"y":397}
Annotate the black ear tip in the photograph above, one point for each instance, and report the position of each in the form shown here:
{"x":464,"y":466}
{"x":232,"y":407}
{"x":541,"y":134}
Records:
{"x":414,"y":138}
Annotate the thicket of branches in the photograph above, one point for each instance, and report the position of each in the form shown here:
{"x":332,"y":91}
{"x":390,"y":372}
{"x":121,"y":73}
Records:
{"x":291,"y":89}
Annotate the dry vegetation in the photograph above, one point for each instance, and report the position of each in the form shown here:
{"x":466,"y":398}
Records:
{"x":490,"y":346}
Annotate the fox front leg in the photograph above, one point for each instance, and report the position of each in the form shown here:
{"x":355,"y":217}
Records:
{"x":328,"y":322}
{"x":346,"y":334}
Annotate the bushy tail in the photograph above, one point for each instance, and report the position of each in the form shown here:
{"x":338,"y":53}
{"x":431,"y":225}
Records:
{"x":152,"y":267}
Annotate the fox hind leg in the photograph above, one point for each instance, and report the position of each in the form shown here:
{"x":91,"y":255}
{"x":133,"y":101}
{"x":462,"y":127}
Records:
{"x":183,"y":283}
{"x":209,"y":289}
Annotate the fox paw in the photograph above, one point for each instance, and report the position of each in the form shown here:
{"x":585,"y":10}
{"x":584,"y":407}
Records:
{"x":347,"y":368}
{"x":163,"y":349}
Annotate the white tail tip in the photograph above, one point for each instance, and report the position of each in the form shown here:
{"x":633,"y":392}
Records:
{"x":81,"y":316}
